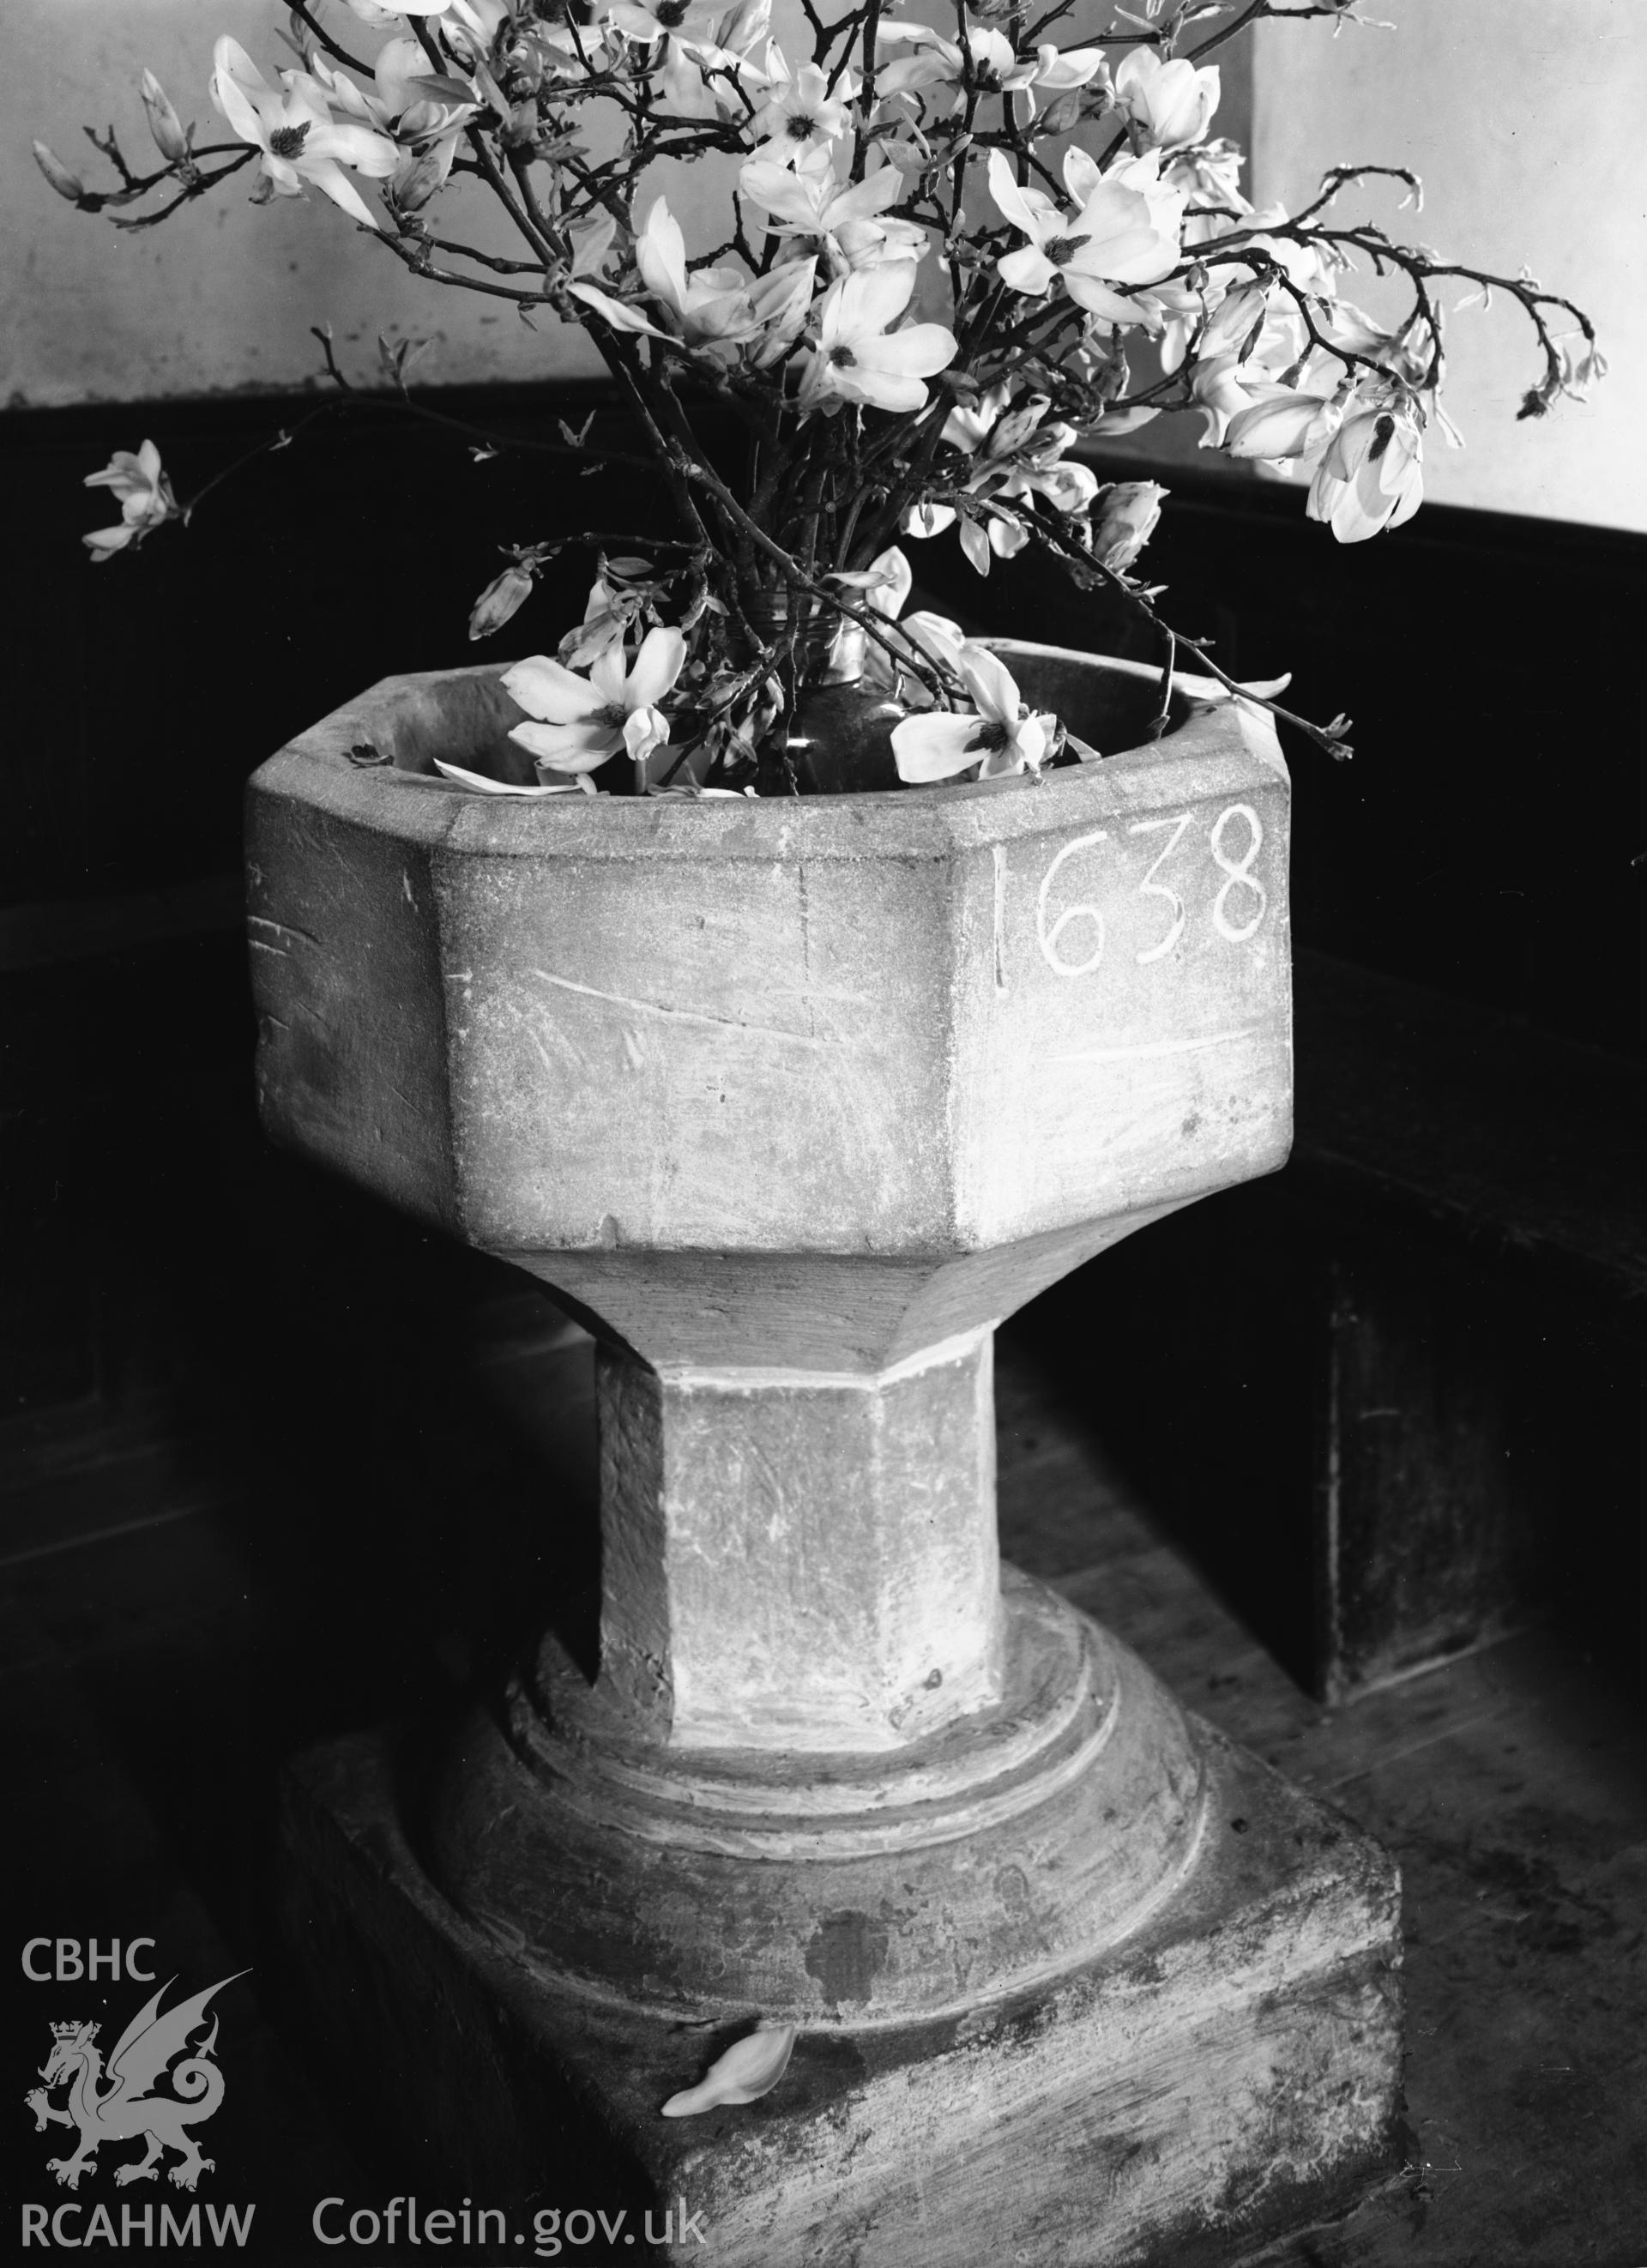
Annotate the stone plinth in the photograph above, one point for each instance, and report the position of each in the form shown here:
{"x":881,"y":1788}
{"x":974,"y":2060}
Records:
{"x":1228,"y":2069}
{"x":793,"y":1101}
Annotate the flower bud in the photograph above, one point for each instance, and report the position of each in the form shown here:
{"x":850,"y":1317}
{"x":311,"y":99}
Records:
{"x":164,"y":122}
{"x":418,"y":179}
{"x":1126,"y":522}
{"x":499,"y":601}
{"x":1063,"y":113}
{"x":1231,"y":325}
{"x":66,"y":184}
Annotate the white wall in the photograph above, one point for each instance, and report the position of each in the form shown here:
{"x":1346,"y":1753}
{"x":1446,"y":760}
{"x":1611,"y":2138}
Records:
{"x":222,"y":295}
{"x":1525,"y":120}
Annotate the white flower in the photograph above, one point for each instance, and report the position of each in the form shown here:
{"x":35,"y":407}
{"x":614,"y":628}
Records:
{"x":801,"y":110}
{"x":695,"y":80}
{"x":296,"y":131}
{"x":146,"y":496}
{"x":1170,"y":104}
{"x":1125,"y":231}
{"x":718,"y":308}
{"x":858,"y":359}
{"x":711,"y":304}
{"x":1280,"y":422}
{"x":997,"y":69}
{"x":1013,"y":455}
{"x":657,"y":19}
{"x":66,"y":182}
{"x":581,"y":721}
{"x":167,"y":127}
{"x":500,"y":602}
{"x":847,"y":218}
{"x":997,"y":66}
{"x":1127,"y":520}
{"x":1372,"y":476}
{"x":374,"y":13}
{"x":1004,"y":733}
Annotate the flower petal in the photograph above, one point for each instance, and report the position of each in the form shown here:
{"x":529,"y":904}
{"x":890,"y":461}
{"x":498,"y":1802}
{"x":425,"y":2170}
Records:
{"x":872,"y":297}
{"x":1099,"y":299}
{"x":1026,"y":270}
{"x":484,"y":786}
{"x":920,"y":351}
{"x":609,"y":674}
{"x":880,"y":389}
{"x":569,"y":748}
{"x":992,"y":684}
{"x":1009,"y":197}
{"x":750,"y":2068}
{"x":617,"y":312}
{"x":545,"y":689}
{"x":937,"y":745}
{"x":658,"y":663}
{"x":334,"y":182}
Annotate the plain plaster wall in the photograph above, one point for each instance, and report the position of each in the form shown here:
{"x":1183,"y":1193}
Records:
{"x":223,"y":295}
{"x":1524,"y":120}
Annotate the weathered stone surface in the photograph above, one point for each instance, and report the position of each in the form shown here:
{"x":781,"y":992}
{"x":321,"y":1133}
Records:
{"x":800,"y":1559}
{"x":1008,"y":1846}
{"x":912,"y":1026}
{"x":1231,"y":2069}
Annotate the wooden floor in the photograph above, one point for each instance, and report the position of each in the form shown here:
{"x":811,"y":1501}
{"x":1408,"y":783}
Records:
{"x":157,"y":1669}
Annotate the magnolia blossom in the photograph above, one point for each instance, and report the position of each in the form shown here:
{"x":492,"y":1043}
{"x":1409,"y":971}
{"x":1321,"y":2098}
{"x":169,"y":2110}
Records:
{"x":1280,"y":422}
{"x":581,"y":721}
{"x":146,"y":496}
{"x":1372,"y":474}
{"x":882,"y":586}
{"x":300,"y":140}
{"x":1013,"y":455}
{"x":717,"y":311}
{"x":1131,"y":509}
{"x":801,"y":110}
{"x":848,"y":218}
{"x":1255,"y":348}
{"x":716,"y":306}
{"x":996,"y":65}
{"x":997,"y":68}
{"x":500,"y":602}
{"x":694,"y":79}
{"x":858,"y":358}
{"x":616,"y":597}
{"x":62,"y":177}
{"x":1004,"y":734}
{"x":170,"y":139}
{"x":380,"y":16}
{"x":1169,"y":104}
{"x":1125,"y":231}
{"x":654,"y":19}
{"x":1236,"y":323}
{"x":423,"y":103}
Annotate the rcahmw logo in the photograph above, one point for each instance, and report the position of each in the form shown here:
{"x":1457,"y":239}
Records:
{"x":154,"y":2087}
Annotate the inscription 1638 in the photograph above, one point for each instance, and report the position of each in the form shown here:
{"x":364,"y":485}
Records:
{"x":1180,"y":854}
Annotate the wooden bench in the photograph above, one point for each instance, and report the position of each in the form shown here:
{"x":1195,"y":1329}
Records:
{"x":1390,"y":1398}
{"x":1476,"y":1193}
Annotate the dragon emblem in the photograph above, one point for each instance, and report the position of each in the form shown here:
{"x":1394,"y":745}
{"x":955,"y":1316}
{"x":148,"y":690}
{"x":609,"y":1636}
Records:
{"x":125,"y":2109}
